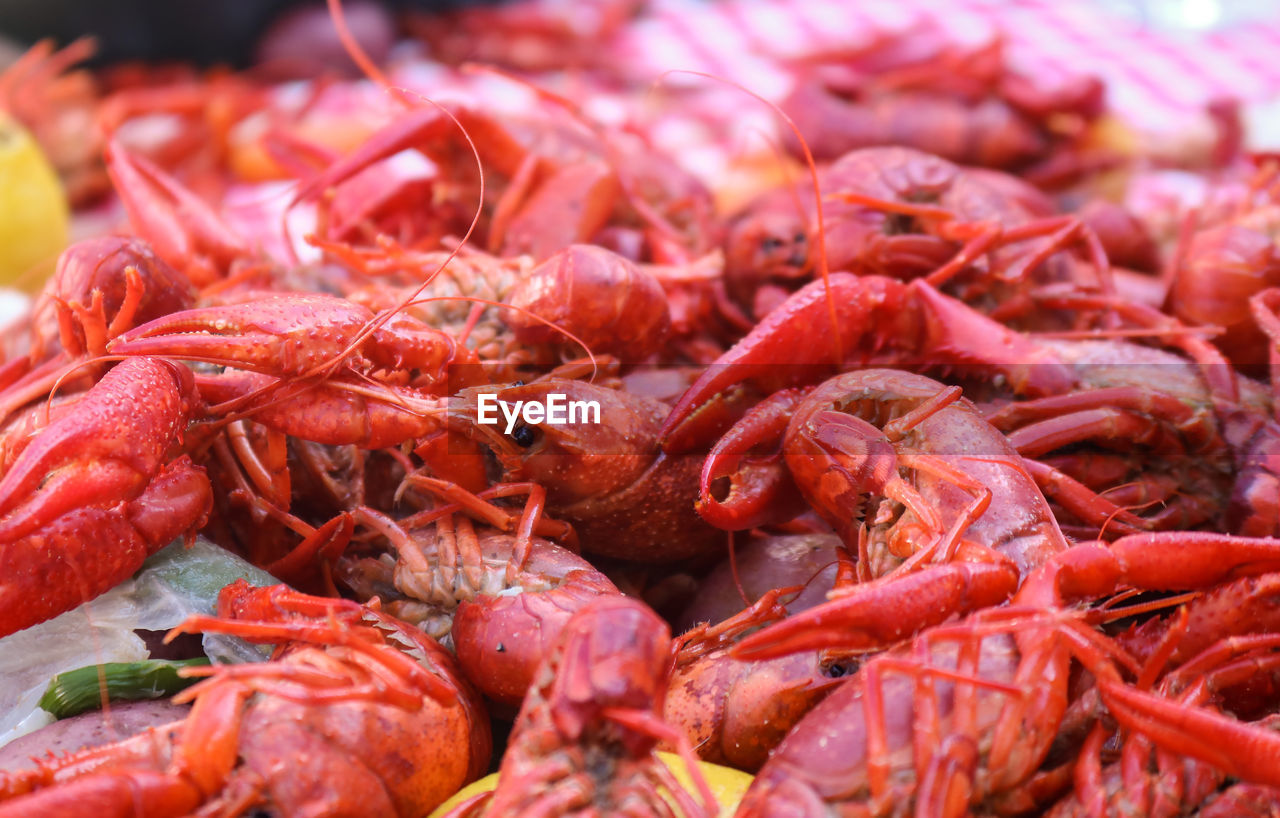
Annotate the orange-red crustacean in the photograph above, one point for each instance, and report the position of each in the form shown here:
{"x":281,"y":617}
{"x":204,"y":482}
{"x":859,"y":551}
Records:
{"x":1228,"y":259}
{"x":530,"y":314}
{"x":1254,"y":506}
{"x":332,"y":725}
{"x":735,"y":711}
{"x":1145,"y":780}
{"x":85,"y":499}
{"x":902,"y":213}
{"x":585,"y":738}
{"x":828,"y":327}
{"x":102,"y":287}
{"x":851,"y":437}
{"x":624,"y":497}
{"x":962,"y":102}
{"x":965,"y":716}
{"x":906,"y":473}
{"x":1197,"y":402}
{"x":499,"y":597}
{"x":560,"y":183}
{"x":373,"y":383}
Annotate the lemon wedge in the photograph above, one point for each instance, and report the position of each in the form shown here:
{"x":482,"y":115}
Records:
{"x":34,"y":215}
{"x":727,"y":784}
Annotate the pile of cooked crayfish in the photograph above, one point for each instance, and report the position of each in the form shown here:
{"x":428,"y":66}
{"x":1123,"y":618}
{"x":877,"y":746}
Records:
{"x":934,"y":470}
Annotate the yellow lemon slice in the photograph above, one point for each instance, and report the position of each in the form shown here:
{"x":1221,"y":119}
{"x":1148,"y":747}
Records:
{"x":34,"y":215}
{"x":727,"y":784}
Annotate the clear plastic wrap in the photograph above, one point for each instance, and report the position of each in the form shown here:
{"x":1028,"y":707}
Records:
{"x":174,"y":584}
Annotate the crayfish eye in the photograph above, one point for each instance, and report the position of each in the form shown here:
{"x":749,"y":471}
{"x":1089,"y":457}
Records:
{"x":524,"y":436}
{"x":839,"y":669}
{"x":898,"y":224}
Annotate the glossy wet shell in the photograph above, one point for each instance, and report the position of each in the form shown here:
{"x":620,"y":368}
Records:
{"x":363,"y":758}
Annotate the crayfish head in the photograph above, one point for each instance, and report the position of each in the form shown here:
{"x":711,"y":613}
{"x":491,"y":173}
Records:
{"x":591,"y":295}
{"x":579,"y":440}
{"x":615,"y":654}
{"x":768,"y":244}
{"x":116,"y":270}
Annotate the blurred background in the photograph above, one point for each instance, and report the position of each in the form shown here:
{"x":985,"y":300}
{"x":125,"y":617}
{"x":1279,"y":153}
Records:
{"x":1160,"y":58}
{"x":196,"y":30}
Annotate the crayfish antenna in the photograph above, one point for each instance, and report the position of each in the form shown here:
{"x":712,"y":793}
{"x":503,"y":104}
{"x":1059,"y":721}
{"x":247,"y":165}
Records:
{"x":407,"y":98}
{"x":1219,"y":375}
{"x":823,"y":269}
{"x":357,"y":53}
{"x":410,"y":99}
{"x":647,"y":213}
{"x":554,"y":327}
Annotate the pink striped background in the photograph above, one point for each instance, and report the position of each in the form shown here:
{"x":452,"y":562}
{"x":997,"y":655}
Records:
{"x":1156,"y":76}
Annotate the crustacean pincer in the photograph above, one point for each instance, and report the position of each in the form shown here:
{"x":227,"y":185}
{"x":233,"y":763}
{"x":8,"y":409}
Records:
{"x":97,"y":490}
{"x":905,"y":471}
{"x":735,"y":711}
{"x":293,"y":334}
{"x":966,"y":714}
{"x":372,"y":381}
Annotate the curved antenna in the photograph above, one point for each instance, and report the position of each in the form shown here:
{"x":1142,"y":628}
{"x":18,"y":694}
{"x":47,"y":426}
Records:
{"x":823,"y":269}
{"x":366,"y":65}
{"x":357,"y":53}
{"x":646,"y":212}
{"x":407,"y":98}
